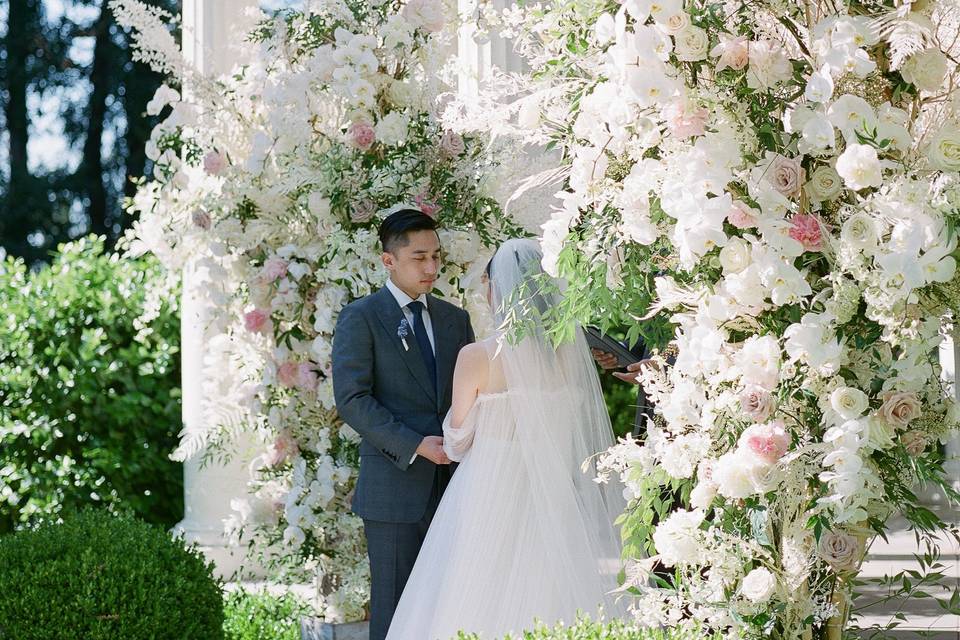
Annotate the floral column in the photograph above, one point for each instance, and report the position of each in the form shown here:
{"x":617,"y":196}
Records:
{"x":209,"y":488}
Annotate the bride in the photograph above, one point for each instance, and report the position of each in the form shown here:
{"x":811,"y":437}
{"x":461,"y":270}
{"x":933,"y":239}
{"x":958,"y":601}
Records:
{"x":522,"y":533}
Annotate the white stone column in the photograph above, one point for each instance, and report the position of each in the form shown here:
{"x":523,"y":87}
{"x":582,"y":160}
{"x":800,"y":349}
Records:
{"x":208,"y":490}
{"x":950,"y":356}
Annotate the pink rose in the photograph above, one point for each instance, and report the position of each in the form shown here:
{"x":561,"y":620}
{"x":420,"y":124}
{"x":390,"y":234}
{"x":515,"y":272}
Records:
{"x":805,"y":229}
{"x":306,"y":377}
{"x":256,"y":321}
{"x":741,"y":216}
{"x":282,"y":449}
{"x":451,"y":144}
{"x":767,"y":441}
{"x":899,"y":408}
{"x":786,"y":175}
{"x":757,"y":403}
{"x":214,"y":162}
{"x":362,"y":135}
{"x":363,"y":211}
{"x":273,"y":269}
{"x":685,"y":122}
{"x":288,"y":374}
{"x":915,"y":442}
{"x":425,"y":204}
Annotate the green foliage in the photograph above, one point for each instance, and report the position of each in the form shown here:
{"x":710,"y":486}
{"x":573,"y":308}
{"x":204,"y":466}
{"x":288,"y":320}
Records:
{"x":584,"y":629}
{"x":99,"y":576}
{"x":89,"y":392}
{"x":621,"y":402}
{"x":261,"y":616}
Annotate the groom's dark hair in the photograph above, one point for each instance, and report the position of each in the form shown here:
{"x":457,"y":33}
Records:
{"x":395,"y":227}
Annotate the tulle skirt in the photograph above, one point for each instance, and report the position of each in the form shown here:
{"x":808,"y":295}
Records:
{"x":491,"y":563}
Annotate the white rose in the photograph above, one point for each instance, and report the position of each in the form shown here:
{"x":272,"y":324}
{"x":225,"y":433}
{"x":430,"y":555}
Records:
{"x":674,"y":23}
{"x":859,"y":167}
{"x":824,"y":184}
{"x":691,"y":44}
{"x":735,"y":256}
{"x":925,"y":69}
{"x":944,"y":149}
{"x":850,"y":403}
{"x":758,"y":585}
{"x":860,"y":232}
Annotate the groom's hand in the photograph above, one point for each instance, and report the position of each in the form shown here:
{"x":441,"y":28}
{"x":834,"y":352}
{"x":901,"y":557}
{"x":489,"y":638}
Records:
{"x":431,"y":448}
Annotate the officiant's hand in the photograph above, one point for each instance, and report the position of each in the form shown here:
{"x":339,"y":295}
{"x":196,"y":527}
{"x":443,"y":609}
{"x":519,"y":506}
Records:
{"x":431,"y":448}
{"x":633,"y":370}
{"x":605,"y":359}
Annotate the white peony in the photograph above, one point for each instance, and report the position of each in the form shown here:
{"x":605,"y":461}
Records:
{"x":734,"y":474}
{"x":768,"y":65}
{"x":859,"y":167}
{"x":678,"y":539}
{"x":392,"y":128}
{"x":758,"y":361}
{"x":758,"y":585}
{"x":926,"y":69}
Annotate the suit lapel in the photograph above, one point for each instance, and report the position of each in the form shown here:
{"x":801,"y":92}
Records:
{"x":390,"y":315}
{"x":443,"y":333}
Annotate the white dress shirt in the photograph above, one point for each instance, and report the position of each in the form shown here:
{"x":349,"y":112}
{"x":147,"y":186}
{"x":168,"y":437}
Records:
{"x":403,"y":300}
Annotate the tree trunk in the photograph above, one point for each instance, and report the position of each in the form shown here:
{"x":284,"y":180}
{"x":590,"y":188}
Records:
{"x":18,"y":41}
{"x":97,"y":111}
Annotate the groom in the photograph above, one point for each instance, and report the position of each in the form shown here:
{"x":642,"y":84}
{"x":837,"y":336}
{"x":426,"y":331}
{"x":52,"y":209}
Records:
{"x":393,"y":357}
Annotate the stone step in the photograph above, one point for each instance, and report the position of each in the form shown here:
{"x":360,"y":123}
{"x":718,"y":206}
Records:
{"x":920,"y":617}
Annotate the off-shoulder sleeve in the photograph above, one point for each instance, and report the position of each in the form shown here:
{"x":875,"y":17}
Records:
{"x":457,"y":439}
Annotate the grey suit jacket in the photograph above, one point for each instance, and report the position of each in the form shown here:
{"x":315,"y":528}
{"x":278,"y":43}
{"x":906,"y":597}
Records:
{"x":383,"y":392}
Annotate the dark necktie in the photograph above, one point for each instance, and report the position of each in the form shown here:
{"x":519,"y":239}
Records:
{"x":423,"y":341}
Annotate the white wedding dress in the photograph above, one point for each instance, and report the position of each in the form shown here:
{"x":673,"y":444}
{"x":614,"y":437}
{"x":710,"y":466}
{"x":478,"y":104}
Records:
{"x":522,"y":533}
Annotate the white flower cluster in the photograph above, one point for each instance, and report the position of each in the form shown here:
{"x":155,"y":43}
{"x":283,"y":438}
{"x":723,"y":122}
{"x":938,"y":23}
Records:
{"x":270,"y":183}
{"x":799,"y":202}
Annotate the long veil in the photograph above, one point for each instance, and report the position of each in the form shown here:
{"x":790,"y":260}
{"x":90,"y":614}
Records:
{"x":562,"y":423}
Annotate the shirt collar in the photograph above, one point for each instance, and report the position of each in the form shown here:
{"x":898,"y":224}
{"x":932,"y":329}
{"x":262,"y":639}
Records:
{"x":402,"y":298}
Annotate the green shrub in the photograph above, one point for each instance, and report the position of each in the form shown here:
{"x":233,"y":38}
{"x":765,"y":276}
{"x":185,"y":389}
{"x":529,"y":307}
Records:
{"x":584,"y":629}
{"x":621,"y":399}
{"x":89,"y":397}
{"x":261,"y":616}
{"x":99,"y":576}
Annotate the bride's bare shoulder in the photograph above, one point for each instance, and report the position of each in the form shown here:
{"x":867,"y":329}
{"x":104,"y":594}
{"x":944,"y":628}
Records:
{"x":473,"y":356}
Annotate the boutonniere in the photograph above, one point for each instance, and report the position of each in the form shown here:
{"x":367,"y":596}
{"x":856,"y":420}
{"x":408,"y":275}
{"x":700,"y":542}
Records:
{"x":402,"y":332}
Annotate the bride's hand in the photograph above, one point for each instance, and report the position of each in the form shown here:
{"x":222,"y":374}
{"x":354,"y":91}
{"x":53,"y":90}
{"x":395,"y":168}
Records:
{"x":431,"y":448}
